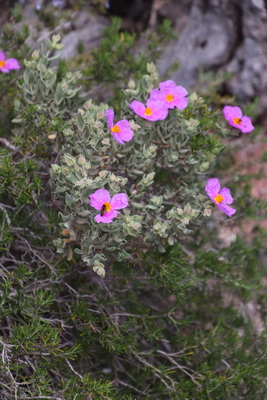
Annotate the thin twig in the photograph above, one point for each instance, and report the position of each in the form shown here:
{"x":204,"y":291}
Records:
{"x":10,"y":146}
{"x":6,"y":214}
{"x":73,"y":370}
{"x":181,"y":367}
{"x":130,"y":386}
{"x":156,"y":372}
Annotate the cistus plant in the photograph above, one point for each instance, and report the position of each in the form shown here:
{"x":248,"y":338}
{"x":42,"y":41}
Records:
{"x":170,"y":145}
{"x":48,"y":98}
{"x":168,"y":321}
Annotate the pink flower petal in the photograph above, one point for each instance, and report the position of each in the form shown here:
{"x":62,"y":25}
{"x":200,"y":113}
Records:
{"x":2,"y":56}
{"x":102,"y":196}
{"x":12,"y":63}
{"x":232,"y":112}
{"x":246,"y":125}
{"x":159,"y":108}
{"x":167,"y":86}
{"x":212,"y":188}
{"x":180,"y":91}
{"x":180,"y":103}
{"x":107,"y":217}
{"x":156,"y":94}
{"x":98,"y":198}
{"x":138,"y":108}
{"x":228,"y":199}
{"x":119,"y":201}
{"x":117,"y":137}
{"x":125,"y":133}
{"x":4,"y":70}
{"x":160,"y":96}
{"x":226,"y":209}
{"x":110,"y":117}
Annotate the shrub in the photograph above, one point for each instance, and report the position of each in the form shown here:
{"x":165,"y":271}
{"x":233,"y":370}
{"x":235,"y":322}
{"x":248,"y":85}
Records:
{"x":168,"y":320}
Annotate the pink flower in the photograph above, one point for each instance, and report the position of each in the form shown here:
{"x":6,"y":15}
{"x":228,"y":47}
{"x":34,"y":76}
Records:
{"x":221,"y":197}
{"x":235,"y":118}
{"x":7,"y":65}
{"x":100,"y":200}
{"x":121,"y":132}
{"x":171,"y":95}
{"x":155,"y":109}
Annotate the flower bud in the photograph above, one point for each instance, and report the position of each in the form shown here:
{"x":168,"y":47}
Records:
{"x":185,"y":221}
{"x":88,"y":105}
{"x":151,"y":68}
{"x":36,"y":54}
{"x":56,"y":38}
{"x":106,"y":142}
{"x":67,"y":132}
{"x":99,"y":268}
{"x":69,"y":160}
{"x":131,"y":84}
{"x":102,"y":174}
{"x":207,"y":212}
{"x":81,"y":159}
{"x":157,"y":200}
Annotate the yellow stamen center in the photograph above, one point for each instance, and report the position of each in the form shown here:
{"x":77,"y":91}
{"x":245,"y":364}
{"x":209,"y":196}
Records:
{"x":237,"y":121}
{"x":2,"y":64}
{"x":115,"y":129}
{"x":169,"y":97}
{"x":218,"y":199}
{"x":148,"y":111}
{"x":108,"y":207}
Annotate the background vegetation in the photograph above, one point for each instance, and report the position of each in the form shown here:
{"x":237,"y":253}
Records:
{"x":173,"y":325}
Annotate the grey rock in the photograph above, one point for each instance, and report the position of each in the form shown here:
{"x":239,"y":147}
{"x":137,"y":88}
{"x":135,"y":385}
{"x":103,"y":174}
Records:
{"x":222,"y":36}
{"x":203,"y":42}
{"x":88,"y":28}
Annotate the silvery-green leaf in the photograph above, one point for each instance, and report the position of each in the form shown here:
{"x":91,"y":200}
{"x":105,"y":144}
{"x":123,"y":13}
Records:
{"x":61,"y":189}
{"x":84,"y":213}
{"x":68,"y":200}
{"x":81,"y":220}
{"x":137,"y":205}
{"x":78,"y":251}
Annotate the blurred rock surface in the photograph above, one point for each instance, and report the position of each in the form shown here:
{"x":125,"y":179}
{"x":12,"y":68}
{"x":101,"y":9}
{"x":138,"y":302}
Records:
{"x":220,"y":35}
{"x":84,"y":26}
